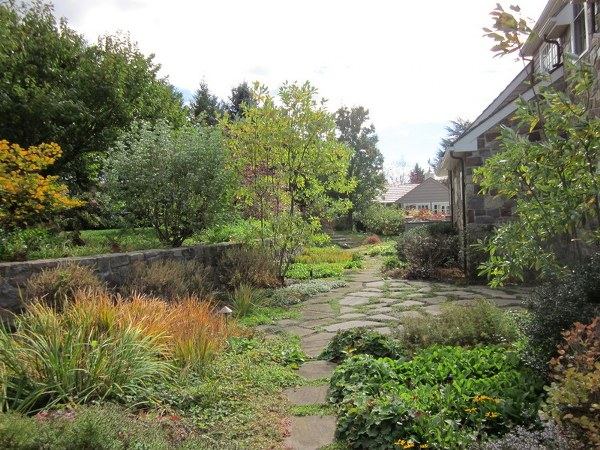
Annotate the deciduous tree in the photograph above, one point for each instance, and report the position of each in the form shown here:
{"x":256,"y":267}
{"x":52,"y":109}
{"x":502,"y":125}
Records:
{"x":286,"y":151}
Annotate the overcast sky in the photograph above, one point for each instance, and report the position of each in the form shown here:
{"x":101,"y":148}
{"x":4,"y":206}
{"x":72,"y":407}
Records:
{"x":415,"y":65}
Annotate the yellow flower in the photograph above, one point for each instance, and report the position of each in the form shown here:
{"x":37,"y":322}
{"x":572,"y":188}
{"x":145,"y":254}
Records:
{"x":470,"y":410}
{"x":491,"y":415}
{"x":424,"y":446}
{"x":404,"y":444}
{"x":485,"y":398}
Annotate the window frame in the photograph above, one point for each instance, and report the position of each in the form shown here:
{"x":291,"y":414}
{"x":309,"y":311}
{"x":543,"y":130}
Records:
{"x":585,"y":21}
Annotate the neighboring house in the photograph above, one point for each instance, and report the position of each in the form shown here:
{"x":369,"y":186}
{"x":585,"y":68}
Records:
{"x":430,"y":194}
{"x":563,"y":28}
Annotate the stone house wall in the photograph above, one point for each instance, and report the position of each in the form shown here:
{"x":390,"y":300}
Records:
{"x":112,"y":268}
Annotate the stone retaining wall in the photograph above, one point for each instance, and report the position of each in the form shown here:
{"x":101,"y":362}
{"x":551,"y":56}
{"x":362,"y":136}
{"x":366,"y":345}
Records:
{"x":113,"y":268}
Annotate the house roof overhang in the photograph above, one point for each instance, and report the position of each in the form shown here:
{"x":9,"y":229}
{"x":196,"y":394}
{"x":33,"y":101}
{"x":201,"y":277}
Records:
{"x":554,"y":18}
{"x":500,"y":109}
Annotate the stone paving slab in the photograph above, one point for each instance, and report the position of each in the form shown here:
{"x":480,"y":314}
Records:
{"x":311,"y":432}
{"x":354,"y":301}
{"x":314,"y":370}
{"x":352,"y":324}
{"x":351,"y":316}
{"x":409,"y":303}
{"x":367,"y":294}
{"x":383,"y":318}
{"x":434,"y":310}
{"x":307,"y":395}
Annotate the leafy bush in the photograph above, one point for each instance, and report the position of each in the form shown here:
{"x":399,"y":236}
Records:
{"x":27,"y":196}
{"x":320,"y":240}
{"x":383,"y":220}
{"x":359,"y":341}
{"x":75,"y":356}
{"x":556,"y":306}
{"x":445,"y":397}
{"x":18,"y":245}
{"x":250,"y":265}
{"x":574,"y":395}
{"x":372,"y":240}
{"x":476,"y":255}
{"x":297,"y":293}
{"x":106,"y":427}
{"x":549,"y":437}
{"x":169,"y":279}
{"x":481,"y":323}
{"x":173,"y":179}
{"x":58,"y":285}
{"x":392,"y":262}
{"x":427,"y":248}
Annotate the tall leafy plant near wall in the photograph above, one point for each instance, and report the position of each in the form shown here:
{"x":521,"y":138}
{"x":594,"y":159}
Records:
{"x":291,"y":164}
{"x":549,"y":165}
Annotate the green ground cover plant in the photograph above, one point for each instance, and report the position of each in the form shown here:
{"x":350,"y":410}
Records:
{"x":327,"y":262}
{"x":481,"y":323}
{"x":361,"y":341}
{"x":384,"y":249}
{"x":445,"y":397}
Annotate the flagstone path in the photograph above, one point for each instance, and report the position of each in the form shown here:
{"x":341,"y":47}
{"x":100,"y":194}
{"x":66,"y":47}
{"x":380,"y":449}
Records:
{"x":371,"y":302}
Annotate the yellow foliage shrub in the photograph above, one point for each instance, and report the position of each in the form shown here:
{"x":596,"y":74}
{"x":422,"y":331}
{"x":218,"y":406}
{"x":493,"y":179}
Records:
{"x":25,"y":194}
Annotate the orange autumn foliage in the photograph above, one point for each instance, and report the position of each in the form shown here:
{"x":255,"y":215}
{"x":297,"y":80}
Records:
{"x":26,"y":195}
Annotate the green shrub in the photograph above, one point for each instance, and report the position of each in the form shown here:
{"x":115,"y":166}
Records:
{"x":174,"y":179}
{"x":169,"y":279}
{"x":250,"y":265}
{"x":297,"y":293}
{"x":358,"y":341}
{"x":574,"y":395}
{"x":382,"y":220}
{"x":392,"y":262}
{"x":320,"y":240}
{"x":56,"y":286}
{"x":556,"y":306}
{"x":445,"y":397}
{"x":50,"y":358}
{"x":18,"y":245}
{"x":427,"y":248}
{"x":481,"y":323}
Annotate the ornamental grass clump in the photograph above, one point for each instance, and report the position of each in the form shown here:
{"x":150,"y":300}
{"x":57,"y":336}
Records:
{"x":76,"y":356}
{"x":189,"y":329}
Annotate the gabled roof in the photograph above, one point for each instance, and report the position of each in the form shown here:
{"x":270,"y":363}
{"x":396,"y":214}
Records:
{"x":393,"y":193}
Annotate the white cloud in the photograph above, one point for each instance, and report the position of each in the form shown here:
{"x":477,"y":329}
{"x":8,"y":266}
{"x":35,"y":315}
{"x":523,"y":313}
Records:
{"x":410,"y":63}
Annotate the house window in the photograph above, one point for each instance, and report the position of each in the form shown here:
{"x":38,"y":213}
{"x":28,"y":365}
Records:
{"x":579,"y":29}
{"x":550,"y":58}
